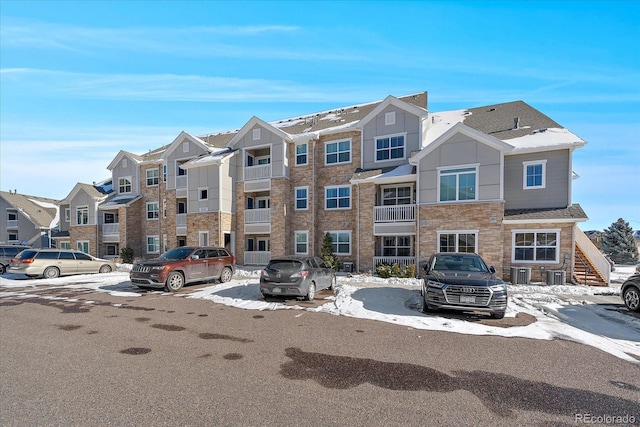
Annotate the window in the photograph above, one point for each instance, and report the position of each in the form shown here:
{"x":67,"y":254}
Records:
{"x":164,"y":208}
{"x":203,"y":238}
{"x":180,"y":171}
{"x":12,"y":236}
{"x":153,"y":244}
{"x":458,"y":241}
{"x":396,"y":196}
{"x":301,"y":154}
{"x":396,"y":246}
{"x":65,"y":245}
{"x":390,"y":118}
{"x":164,"y":173}
{"x":110,"y":218}
{"x":337,"y":152}
{"x":152,"y":210}
{"x":264,"y":245}
{"x":82,"y":215}
{"x":534,"y":174}
{"x":203,"y":193}
{"x":152,"y":177}
{"x":341,"y":242}
{"x":337,"y":197}
{"x":83,"y":246}
{"x":124,"y":163}
{"x":67,"y":215}
{"x":263,"y":203}
{"x":124,"y":185}
{"x":536,"y":246}
{"x":302,"y":242}
{"x":458,"y":184}
{"x":12,"y":216}
{"x":302,"y":194}
{"x":185,"y":147}
{"x":256,"y":134}
{"x":263,"y":160}
{"x":111,"y":250}
{"x":389,"y":148}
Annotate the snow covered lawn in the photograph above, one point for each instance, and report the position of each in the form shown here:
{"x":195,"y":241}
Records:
{"x":589,"y":315}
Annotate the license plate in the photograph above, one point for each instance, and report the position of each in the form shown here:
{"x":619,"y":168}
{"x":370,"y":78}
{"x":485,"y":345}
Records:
{"x":276,"y":290}
{"x":467,"y":299}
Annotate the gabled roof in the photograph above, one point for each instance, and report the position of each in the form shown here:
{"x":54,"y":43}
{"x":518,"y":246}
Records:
{"x":214,"y":158}
{"x":87,"y":188}
{"x":250,"y":124}
{"x":179,"y":139}
{"x":122,"y":154}
{"x":42,"y":212}
{"x":465,"y":130}
{"x":392,"y":100}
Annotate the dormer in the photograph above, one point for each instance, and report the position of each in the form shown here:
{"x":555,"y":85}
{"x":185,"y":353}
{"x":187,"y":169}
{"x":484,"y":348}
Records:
{"x":125,"y":172}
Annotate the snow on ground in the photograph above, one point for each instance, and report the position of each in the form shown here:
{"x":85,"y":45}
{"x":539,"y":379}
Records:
{"x":588,"y":315}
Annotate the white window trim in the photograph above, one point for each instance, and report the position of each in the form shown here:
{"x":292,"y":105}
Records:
{"x":301,"y":233}
{"x":337,"y":142}
{"x":78,"y":208}
{"x":200,"y":190}
{"x":157,"y":211}
{"x":458,"y":232}
{"x":524,"y":174}
{"x":185,"y":147}
{"x":338,"y":208}
{"x":295,"y":197}
{"x":256,"y":134}
{"x":156,"y":243}
{"x":201,"y":236}
{"x":476,"y":166}
{"x":350,"y":240}
{"x":128,"y":178}
{"x":266,"y":241}
{"x":83,"y":242}
{"x":146,"y":173}
{"x":390,"y":118}
{"x":395,"y":246}
{"x":375,"y":147}
{"x":124,"y":162}
{"x":396,"y":187}
{"x":67,"y":214}
{"x":535,"y":231}
{"x":295,"y":153}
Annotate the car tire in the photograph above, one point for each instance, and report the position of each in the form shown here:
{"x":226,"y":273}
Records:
{"x":105,"y":269}
{"x":51,"y":273}
{"x":311,"y":293}
{"x":497,"y":315}
{"x":3,"y":269}
{"x":425,"y":306}
{"x":632,"y":298}
{"x":332,"y":286}
{"x":226,"y":275}
{"x":175,"y":282}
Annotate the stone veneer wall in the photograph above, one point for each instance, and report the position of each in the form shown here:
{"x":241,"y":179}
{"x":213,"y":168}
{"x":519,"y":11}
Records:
{"x":281,"y":207}
{"x":206,"y":221}
{"x":304,"y":220}
{"x":131,"y":221}
{"x":485,"y":217}
{"x":240,"y":236}
{"x":365,"y":240}
{"x":85,"y":232}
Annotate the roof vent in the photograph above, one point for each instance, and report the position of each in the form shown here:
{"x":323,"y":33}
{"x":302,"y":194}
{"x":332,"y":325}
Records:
{"x":492,"y":109}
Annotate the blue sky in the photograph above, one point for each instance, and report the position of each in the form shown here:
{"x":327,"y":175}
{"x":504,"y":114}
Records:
{"x":81,"y":80}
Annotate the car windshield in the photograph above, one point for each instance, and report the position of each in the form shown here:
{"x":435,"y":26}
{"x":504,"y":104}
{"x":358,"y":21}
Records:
{"x":285,"y":265}
{"x":459,"y":263}
{"x":177,"y":253}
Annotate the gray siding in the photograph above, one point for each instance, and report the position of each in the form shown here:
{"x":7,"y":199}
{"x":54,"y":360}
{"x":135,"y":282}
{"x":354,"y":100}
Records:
{"x":131,"y":170}
{"x":406,"y":123}
{"x":83,"y":199}
{"x":203,"y":177}
{"x":558,"y":179}
{"x":227,"y":188}
{"x":178,"y":154}
{"x":268,"y":144}
{"x":64,"y":225}
{"x":460,"y":150}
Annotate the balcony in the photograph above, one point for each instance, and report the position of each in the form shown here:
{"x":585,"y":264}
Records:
{"x":12,"y":223}
{"x":252,"y":173}
{"x":181,"y":186}
{"x":257,"y":258}
{"x":252,"y":216}
{"x":394,"y":219}
{"x":181,"y":224}
{"x":111,"y":232}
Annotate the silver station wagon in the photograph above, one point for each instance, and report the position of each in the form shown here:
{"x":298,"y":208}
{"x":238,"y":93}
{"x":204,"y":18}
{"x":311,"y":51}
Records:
{"x":51,"y":263}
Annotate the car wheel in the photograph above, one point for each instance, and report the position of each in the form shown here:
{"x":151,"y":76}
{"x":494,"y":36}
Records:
{"x":51,"y":272}
{"x":226,"y":275}
{"x":425,"y":306}
{"x":497,"y":315}
{"x":632,"y":298}
{"x":105,"y":269}
{"x":175,"y":281}
{"x":332,"y":286}
{"x":3,"y":269}
{"x":311,"y":293}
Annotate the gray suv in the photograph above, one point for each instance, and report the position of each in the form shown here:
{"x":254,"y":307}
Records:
{"x":7,"y":252}
{"x":298,"y":276}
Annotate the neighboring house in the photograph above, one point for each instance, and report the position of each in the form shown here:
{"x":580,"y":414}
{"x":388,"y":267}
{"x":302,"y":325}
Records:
{"x":390,"y":182}
{"x":80,"y":222}
{"x":27,"y":219}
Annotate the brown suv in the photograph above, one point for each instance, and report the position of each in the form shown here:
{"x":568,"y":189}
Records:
{"x":186,"y":264}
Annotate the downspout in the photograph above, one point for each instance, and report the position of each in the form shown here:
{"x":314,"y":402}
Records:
{"x":313,"y":186}
{"x":358,"y":228}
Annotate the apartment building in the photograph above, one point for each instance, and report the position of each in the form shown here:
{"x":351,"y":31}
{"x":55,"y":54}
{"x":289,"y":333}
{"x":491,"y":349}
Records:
{"x":27,"y":219}
{"x":389,"y":181}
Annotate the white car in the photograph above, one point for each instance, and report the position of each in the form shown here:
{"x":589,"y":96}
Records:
{"x":50,"y":263}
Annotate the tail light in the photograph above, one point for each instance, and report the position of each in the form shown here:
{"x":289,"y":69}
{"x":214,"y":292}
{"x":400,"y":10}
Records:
{"x":23,"y":261}
{"x":303,"y":273}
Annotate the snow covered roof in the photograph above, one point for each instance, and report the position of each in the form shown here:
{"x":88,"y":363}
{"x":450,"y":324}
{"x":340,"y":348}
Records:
{"x":116,"y":200}
{"x":213,"y":158}
{"x":41,"y":211}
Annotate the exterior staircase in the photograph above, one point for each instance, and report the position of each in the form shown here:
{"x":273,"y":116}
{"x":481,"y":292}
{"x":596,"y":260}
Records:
{"x":585,"y":272}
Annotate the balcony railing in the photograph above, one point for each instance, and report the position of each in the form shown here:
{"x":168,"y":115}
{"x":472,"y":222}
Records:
{"x":257,"y":172}
{"x":252,"y":216}
{"x":110,"y":229}
{"x":394,"y":213}
{"x":390,"y":260}
{"x":257,"y":258}
{"x":12,"y":223}
{"x":181,"y":181}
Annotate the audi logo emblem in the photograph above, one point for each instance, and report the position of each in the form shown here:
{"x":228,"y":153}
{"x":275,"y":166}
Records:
{"x":469,"y":290}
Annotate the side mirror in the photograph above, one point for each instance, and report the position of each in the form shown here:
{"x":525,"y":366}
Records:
{"x":195,"y":257}
{"x":492,"y":270}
